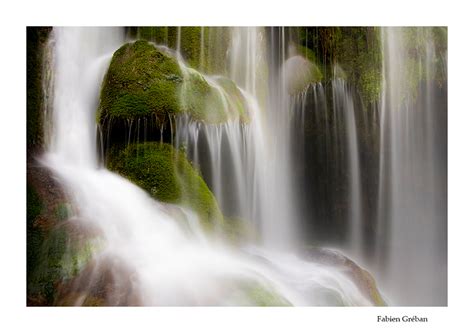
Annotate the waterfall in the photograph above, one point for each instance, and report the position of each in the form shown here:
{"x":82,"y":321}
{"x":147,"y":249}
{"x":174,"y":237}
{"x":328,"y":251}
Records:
{"x":250,"y":164}
{"x":330,"y":113}
{"x":178,"y":40}
{"x":412,"y":187}
{"x":159,"y":257}
{"x":343,"y":104}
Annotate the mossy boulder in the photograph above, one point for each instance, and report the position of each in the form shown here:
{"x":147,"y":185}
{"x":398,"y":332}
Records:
{"x":236,"y":101}
{"x":140,"y":81}
{"x":201,"y":100}
{"x":300,"y":73}
{"x":213,"y":100}
{"x":167,"y":175}
{"x":144,"y":82}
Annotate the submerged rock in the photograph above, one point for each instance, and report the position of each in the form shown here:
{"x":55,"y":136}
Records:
{"x":58,"y":246}
{"x":361,"y":277}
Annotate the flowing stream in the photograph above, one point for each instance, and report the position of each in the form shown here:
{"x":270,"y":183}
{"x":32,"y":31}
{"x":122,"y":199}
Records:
{"x":158,"y":258}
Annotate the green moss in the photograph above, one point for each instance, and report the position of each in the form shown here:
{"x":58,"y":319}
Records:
{"x":415,"y":41}
{"x":359,"y":55}
{"x":47,"y":271}
{"x":212,"y":102}
{"x":237,"y":104}
{"x":167,"y":175}
{"x":141,"y":81}
{"x":203,"y":48}
{"x":59,"y":256}
{"x":300,"y":73}
{"x":355,"y":50}
{"x":358,"y":52}
{"x":77,"y":255}
{"x":201,"y":100}
{"x":191,"y":45}
{"x":63,"y":211}
{"x":217,"y":41}
{"x":307,"y":53}
{"x":158,"y":35}
{"x":311,"y":56}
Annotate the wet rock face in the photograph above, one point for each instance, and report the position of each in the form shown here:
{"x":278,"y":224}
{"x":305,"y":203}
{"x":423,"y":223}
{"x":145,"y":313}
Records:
{"x":59,"y":246}
{"x":105,"y":281}
{"x":361,"y":277}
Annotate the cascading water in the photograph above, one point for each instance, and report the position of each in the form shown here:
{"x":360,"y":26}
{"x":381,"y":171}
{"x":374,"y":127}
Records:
{"x":412,"y":192}
{"x":250,"y":163}
{"x":336,"y":147}
{"x":156,"y":258}
{"x":343,"y":104}
{"x":379,"y":191}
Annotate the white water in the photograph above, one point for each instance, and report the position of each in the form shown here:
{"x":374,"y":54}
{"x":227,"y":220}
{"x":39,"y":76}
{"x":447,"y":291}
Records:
{"x":164,"y":260}
{"x":336,"y":149}
{"x":409,"y":218}
{"x":343,"y":103}
{"x":250,"y":163}
{"x":412,"y":202}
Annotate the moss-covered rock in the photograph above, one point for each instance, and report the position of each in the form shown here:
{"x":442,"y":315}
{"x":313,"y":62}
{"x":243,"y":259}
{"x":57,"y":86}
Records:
{"x":141,"y":81}
{"x":300,"y":73}
{"x":213,"y":100}
{"x":202,"y":48}
{"x":235,"y":100}
{"x":356,"y":50}
{"x":201,"y":100}
{"x":167,"y":175}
